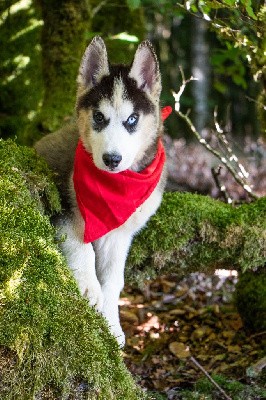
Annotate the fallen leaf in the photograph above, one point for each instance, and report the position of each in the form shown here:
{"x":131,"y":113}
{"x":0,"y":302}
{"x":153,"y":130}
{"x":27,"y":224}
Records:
{"x":234,"y":349}
{"x":128,"y":316}
{"x":180,"y":350}
{"x":177,"y":311}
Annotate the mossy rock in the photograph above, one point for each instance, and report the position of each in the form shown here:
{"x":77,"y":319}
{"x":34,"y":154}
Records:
{"x":250,"y":297}
{"x":52,"y":344}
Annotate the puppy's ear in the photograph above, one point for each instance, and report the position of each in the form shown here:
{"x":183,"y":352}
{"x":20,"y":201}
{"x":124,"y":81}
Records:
{"x":145,"y":69}
{"x":94,"y":64}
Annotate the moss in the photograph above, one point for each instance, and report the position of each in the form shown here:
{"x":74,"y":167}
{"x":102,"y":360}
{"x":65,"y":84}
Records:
{"x":196,"y":233}
{"x":51,"y":341}
{"x":250,"y":297}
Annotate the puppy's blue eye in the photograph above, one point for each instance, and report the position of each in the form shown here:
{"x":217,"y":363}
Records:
{"x":132,"y":120}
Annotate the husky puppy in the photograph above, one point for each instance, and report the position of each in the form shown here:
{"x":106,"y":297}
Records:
{"x":117,"y":131}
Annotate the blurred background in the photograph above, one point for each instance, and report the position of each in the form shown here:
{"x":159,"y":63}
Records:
{"x":221,"y":43}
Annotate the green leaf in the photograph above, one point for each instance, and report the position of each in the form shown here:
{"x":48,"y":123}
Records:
{"x":230,"y":2}
{"x":247,"y":4}
{"x":133,"y":4}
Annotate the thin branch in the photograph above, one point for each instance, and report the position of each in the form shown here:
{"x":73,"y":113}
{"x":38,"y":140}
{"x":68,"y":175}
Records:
{"x":195,"y":362}
{"x":223,"y":140}
{"x":96,"y":9}
{"x":222,"y":189}
{"x":257,"y":334}
{"x":229,"y":161}
{"x":258,"y":103}
{"x":182,"y":88}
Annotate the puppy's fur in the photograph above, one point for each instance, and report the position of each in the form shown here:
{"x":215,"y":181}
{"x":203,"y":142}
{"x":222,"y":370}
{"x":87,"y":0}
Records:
{"x":109,"y":101}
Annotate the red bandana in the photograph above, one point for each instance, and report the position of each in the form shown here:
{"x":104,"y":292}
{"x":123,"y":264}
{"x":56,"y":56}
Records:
{"x":107,"y":200}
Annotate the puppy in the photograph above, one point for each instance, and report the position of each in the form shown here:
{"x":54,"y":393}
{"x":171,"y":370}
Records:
{"x":110,"y":169}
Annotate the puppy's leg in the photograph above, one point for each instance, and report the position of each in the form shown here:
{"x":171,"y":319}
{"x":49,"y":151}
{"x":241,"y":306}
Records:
{"x":111,"y":252}
{"x":81,"y":259}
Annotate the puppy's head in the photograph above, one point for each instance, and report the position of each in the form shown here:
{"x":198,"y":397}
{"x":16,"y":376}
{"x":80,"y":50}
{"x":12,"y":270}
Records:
{"x":118,"y":106}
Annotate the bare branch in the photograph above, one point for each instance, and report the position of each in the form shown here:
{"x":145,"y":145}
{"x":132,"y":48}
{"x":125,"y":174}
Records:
{"x":182,"y":88}
{"x":222,"y":189}
{"x":228,"y":158}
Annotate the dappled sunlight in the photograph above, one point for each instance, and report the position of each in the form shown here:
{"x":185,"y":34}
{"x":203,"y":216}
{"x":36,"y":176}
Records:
{"x":13,"y":283}
{"x":33,"y":23}
{"x":21,"y":62}
{"x":18,"y":6}
{"x":151,"y":323}
{"x":226,"y":272}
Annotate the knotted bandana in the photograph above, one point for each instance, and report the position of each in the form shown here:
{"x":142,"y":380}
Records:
{"x":106,"y":200}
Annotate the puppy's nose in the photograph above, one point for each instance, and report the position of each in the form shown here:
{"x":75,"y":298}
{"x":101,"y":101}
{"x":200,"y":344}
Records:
{"x":111,"y":160}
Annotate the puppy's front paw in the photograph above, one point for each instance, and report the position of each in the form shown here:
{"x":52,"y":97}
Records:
{"x":95,"y":295}
{"x":118,"y":334}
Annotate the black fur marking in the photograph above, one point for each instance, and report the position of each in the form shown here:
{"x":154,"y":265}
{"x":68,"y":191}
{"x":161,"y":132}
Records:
{"x":99,"y":121}
{"x":99,"y":127}
{"x":104,"y":90}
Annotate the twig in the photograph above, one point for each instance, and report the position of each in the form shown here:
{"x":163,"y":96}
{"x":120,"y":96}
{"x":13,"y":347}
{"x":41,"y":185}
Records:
{"x":96,"y":9}
{"x":227,"y":160}
{"x":257,"y":334}
{"x":231,"y":156}
{"x":210,"y":378}
{"x":222,"y":189}
{"x":182,"y":88}
{"x":259,"y":103}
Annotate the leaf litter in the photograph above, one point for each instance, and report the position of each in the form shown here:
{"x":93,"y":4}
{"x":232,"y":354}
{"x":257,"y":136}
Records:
{"x":169,"y":323}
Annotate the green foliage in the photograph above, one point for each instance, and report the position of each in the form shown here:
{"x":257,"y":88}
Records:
{"x":240,"y":25}
{"x":196,"y":233}
{"x":21,"y":85}
{"x":205,"y":390}
{"x":133,"y":4}
{"x":125,"y":21}
{"x":51,"y":341}
{"x":229,"y":62}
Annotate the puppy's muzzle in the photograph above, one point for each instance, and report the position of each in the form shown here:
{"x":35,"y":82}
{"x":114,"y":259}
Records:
{"x":111,"y":160}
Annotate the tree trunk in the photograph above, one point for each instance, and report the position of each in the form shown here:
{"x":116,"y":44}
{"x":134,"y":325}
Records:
{"x":63,"y":43}
{"x":200,"y":69}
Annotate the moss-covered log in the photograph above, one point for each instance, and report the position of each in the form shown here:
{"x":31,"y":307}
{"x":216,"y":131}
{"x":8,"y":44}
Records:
{"x":52,"y":344}
{"x":193,"y":233}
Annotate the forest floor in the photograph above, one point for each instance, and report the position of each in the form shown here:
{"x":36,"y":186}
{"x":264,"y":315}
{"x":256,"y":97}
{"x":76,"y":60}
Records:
{"x":173,"y":326}
{"x":179,"y":331}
